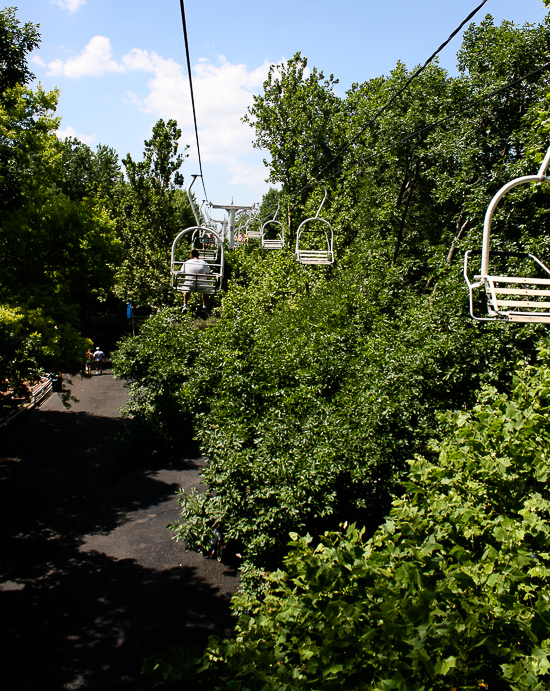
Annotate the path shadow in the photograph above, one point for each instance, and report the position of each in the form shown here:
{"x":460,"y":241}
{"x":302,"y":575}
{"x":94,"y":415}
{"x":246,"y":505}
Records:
{"x":88,"y":621}
{"x":85,"y":618}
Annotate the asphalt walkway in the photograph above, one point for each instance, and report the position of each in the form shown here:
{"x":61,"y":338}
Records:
{"x":91,"y":582}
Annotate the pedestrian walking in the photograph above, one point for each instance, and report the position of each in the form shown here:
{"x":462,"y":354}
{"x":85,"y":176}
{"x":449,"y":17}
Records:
{"x":89,"y":361}
{"x":99,"y":357}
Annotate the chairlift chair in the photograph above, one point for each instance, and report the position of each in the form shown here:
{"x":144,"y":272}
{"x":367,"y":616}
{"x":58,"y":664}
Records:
{"x":209,"y":283}
{"x":317,"y":228}
{"x":253,"y":228}
{"x":273,"y":234}
{"x":510,"y":298}
{"x":205,"y":241}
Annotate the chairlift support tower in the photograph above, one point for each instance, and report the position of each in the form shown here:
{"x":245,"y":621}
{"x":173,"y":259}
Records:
{"x":231,"y":210}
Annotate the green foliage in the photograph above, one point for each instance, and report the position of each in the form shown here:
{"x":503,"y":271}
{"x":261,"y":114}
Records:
{"x":269,"y":205}
{"x":313,"y":386}
{"x":28,"y":146}
{"x":293,"y":120}
{"x":58,"y":247}
{"x":449,"y":593}
{"x":154,"y":210}
{"x":159,"y":363}
{"x":32,"y":344}
{"x":316,"y":384}
{"x":16,"y":42}
{"x":296,"y":121}
{"x":170,"y":667}
{"x":85,"y":173}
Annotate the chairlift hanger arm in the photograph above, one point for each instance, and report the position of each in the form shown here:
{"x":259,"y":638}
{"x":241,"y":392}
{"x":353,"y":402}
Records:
{"x":539,"y":177}
{"x":322,"y":203}
{"x":193,"y":208}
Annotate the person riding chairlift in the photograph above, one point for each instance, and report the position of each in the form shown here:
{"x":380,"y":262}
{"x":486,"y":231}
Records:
{"x":194,"y":265}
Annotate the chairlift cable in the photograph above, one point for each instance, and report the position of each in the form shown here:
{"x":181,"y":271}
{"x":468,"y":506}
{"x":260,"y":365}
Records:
{"x":191,"y":89}
{"x":402,"y":89}
{"x":392,"y":99}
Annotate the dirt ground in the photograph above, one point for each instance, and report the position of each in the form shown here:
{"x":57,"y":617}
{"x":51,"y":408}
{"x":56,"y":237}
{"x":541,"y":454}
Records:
{"x":91,"y":582}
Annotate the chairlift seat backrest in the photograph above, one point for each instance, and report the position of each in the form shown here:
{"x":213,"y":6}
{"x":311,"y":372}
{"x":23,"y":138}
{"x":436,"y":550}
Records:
{"x":208,"y":255}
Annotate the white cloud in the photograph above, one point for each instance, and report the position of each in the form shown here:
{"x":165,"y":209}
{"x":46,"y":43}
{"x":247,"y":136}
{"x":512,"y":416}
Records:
{"x":95,"y":60}
{"x":246,"y":175}
{"x":71,"y":132}
{"x":70,"y":5}
{"x":223,"y":92}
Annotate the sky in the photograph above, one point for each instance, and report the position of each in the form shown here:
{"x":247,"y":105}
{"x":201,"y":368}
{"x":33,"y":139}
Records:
{"x":120,"y":65}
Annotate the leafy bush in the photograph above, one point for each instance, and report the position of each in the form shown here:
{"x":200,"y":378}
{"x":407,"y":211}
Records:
{"x":32,"y":344}
{"x":307,"y":406}
{"x":451,"y":592}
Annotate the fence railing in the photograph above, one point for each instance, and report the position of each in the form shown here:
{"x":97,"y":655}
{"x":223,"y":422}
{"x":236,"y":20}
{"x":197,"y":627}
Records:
{"x":38,"y":393}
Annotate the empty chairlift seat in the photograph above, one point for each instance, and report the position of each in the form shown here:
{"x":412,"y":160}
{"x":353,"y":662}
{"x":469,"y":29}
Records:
{"x":511,"y":298}
{"x":273,"y":234}
{"x":315,"y":240}
{"x":253,"y":228}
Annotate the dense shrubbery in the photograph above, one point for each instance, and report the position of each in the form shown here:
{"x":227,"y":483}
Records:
{"x":307,"y":407}
{"x":450,"y":592}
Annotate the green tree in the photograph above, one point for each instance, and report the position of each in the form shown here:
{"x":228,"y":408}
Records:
{"x":296,"y":121}
{"x":153,"y":213}
{"x":268,"y":207}
{"x":86,"y":174}
{"x":57,"y":253}
{"x":16,"y":42}
{"x":493,"y":142}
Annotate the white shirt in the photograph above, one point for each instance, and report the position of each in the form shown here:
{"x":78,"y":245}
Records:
{"x":195,"y":266}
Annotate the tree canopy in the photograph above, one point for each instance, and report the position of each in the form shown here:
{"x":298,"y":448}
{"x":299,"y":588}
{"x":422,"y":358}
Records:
{"x":16,"y":42}
{"x":75,"y":234}
{"x":154,"y":210}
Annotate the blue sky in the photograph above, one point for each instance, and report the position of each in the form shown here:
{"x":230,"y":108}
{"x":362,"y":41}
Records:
{"x":120,"y":64}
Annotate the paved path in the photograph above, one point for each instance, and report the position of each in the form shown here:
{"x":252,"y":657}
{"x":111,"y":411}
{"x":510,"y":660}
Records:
{"x":90,"y":580}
